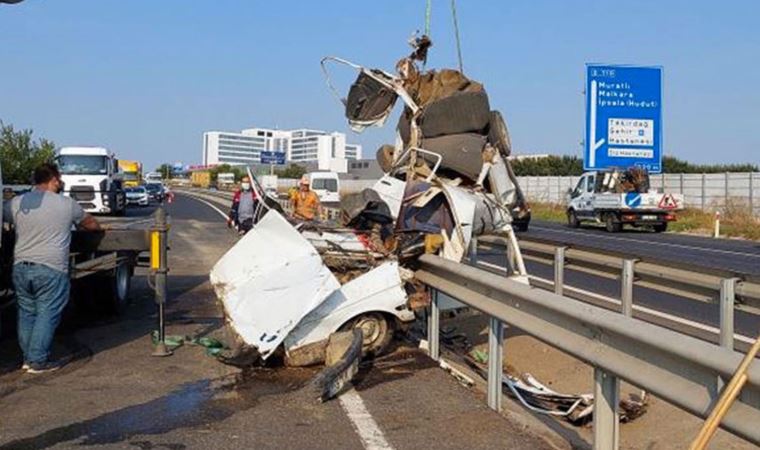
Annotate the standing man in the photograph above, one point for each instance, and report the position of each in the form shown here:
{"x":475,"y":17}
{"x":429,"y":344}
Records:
{"x":306,"y":205}
{"x":243,"y":209}
{"x":43,"y":220}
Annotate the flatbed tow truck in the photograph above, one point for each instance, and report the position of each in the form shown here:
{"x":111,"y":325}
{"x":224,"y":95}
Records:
{"x":102,"y":264}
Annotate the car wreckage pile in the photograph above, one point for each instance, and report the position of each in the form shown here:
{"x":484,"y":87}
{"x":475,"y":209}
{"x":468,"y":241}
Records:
{"x":446,"y":180}
{"x":290,"y":288}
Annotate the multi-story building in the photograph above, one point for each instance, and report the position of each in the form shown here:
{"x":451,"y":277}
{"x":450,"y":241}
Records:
{"x":316,"y":148}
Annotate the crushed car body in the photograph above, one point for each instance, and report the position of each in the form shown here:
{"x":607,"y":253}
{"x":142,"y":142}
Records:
{"x":447,"y":180}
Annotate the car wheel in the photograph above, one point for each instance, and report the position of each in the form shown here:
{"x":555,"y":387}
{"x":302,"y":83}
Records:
{"x":572,"y":219}
{"x":376,"y":329}
{"x":660,"y":227}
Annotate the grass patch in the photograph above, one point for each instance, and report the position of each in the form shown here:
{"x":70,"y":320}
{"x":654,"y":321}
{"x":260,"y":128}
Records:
{"x":550,"y":212}
{"x":735,"y":221}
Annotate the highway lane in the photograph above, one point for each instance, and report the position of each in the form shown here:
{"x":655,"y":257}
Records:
{"x":738,"y":256}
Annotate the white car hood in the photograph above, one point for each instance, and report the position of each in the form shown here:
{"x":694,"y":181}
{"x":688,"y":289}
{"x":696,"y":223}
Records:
{"x":269,"y":281}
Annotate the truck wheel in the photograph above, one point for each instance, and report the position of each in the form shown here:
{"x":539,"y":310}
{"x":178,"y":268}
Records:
{"x":572,"y":219}
{"x":112,"y":290}
{"x":612,"y":224}
{"x":377,"y":331}
{"x":660,"y":227}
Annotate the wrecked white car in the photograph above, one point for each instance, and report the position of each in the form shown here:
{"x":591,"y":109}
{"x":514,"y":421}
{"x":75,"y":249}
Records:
{"x":292,"y":285}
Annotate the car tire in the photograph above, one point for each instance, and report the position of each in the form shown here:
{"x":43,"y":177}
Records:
{"x":612,"y":224}
{"x":461,"y":153}
{"x":660,"y":227}
{"x":462,"y":112}
{"x":376,"y":329}
{"x":572,"y":219}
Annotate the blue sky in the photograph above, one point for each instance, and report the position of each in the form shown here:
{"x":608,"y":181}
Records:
{"x":147,"y":77}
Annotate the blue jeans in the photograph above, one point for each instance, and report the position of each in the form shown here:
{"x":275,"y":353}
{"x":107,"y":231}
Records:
{"x":42,"y":293}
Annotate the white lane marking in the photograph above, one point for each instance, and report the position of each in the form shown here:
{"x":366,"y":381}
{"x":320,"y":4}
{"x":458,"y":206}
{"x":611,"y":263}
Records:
{"x":369,"y":433}
{"x":666,"y":244}
{"x":221,"y":213}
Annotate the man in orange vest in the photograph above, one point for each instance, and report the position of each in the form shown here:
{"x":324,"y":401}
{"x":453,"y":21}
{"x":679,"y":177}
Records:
{"x":306,"y":205}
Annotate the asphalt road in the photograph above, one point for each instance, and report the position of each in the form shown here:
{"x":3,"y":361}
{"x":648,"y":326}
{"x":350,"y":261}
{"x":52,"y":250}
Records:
{"x":738,"y":256}
{"x":114,"y":394}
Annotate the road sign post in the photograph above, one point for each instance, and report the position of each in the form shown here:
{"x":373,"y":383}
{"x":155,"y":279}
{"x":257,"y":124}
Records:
{"x":623,"y":117}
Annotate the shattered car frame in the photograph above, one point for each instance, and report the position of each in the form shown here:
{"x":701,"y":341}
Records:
{"x":292,"y":285}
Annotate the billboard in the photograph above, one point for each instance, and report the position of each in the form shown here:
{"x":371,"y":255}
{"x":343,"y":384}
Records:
{"x":623,"y":117}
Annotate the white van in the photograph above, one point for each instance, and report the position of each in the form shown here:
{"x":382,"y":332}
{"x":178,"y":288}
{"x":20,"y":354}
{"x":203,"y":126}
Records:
{"x":326,"y":185}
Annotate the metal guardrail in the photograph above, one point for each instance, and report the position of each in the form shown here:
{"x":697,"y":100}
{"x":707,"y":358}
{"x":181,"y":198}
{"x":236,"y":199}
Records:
{"x":682,"y":370}
{"x":694,"y":284}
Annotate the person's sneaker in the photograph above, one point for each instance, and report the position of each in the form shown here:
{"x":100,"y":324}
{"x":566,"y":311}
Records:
{"x":25,"y":366}
{"x":45,"y":367}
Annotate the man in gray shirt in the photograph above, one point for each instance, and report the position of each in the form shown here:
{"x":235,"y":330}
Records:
{"x":244,"y":205}
{"x":42,"y":219}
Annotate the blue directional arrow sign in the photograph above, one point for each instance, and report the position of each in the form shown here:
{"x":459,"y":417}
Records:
{"x":277,"y":158}
{"x":623,"y":117}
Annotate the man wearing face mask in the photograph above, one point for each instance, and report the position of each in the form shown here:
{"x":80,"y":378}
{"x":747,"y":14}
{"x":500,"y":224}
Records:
{"x":42,"y":220}
{"x":244,"y":204}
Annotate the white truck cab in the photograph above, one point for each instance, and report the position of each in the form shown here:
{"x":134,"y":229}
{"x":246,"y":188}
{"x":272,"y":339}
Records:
{"x":91,"y":177}
{"x":326,"y":185}
{"x":615,"y":198}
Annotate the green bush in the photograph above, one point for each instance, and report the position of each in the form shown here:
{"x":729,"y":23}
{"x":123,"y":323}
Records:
{"x":20,"y":154}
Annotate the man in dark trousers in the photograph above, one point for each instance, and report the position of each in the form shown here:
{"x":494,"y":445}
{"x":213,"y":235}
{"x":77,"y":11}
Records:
{"x":243,"y":209}
{"x":42,"y":219}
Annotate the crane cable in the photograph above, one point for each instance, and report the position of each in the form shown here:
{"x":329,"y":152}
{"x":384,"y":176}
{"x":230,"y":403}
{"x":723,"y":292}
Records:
{"x":456,"y":34}
{"x":428,"y":10}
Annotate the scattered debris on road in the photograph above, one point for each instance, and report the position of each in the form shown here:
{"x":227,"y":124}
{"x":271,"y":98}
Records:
{"x":535,"y":396}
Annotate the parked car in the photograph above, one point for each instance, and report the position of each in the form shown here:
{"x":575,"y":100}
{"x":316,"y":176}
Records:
{"x":137,"y":196}
{"x":326,"y":185}
{"x":155,"y":191}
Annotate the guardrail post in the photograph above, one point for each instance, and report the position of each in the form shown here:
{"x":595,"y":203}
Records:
{"x":559,"y":270}
{"x":704,"y":192}
{"x":606,"y":399}
{"x":626,"y":287}
{"x":159,"y":266}
{"x":751,"y":195}
{"x":495,"y":362}
{"x":474,"y":251}
{"x":434,"y":329}
{"x":725,"y":187}
{"x":727,"y":297}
